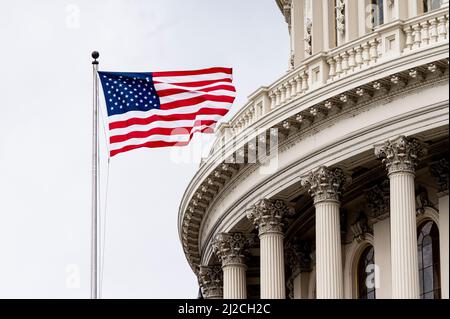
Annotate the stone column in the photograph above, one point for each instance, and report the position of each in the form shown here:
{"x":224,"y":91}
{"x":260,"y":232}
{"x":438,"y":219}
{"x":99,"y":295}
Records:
{"x":232,"y":250}
{"x":440,"y":171}
{"x":298,"y":258}
{"x":400,"y":157}
{"x":210,"y":281}
{"x":377,"y":199}
{"x":325,"y":186}
{"x":268,"y":218}
{"x":352,"y":19}
{"x":298,"y":31}
{"x":318,"y":25}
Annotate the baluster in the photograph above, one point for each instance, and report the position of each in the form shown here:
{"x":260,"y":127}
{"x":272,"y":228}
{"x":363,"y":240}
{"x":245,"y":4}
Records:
{"x":442,"y":28}
{"x":287,"y":88}
{"x":278,"y":93}
{"x":305,"y":86}
{"x":332,"y":67}
{"x":299,"y":84}
{"x":293,"y":84}
{"x":417,"y":36}
{"x":344,"y":57}
{"x":352,"y":59}
{"x":366,"y":53}
{"x":374,"y":50}
{"x":409,"y":37}
{"x":434,"y":30}
{"x":359,"y":56}
{"x":273,"y":101}
{"x":283,"y":94}
{"x":338,"y":60}
{"x":425,"y":33}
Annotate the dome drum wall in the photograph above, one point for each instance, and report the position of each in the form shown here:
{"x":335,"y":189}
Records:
{"x":332,"y":110}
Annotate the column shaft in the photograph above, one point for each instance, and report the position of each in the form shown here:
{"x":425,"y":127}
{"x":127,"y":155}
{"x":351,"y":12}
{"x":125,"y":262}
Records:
{"x":272,"y":266}
{"x":328,"y":251}
{"x":382,"y":249}
{"x":405,"y":271}
{"x":298,"y":31}
{"x":443,"y":244}
{"x":234,"y":282}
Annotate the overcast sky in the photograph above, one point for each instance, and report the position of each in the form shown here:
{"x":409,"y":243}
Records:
{"x":45,"y":136}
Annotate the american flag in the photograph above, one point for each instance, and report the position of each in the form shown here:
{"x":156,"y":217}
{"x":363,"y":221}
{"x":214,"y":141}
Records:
{"x":160,"y":109}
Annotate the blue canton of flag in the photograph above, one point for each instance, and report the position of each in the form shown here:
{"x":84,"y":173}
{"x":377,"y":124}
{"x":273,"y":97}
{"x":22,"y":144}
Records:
{"x":126,"y":92}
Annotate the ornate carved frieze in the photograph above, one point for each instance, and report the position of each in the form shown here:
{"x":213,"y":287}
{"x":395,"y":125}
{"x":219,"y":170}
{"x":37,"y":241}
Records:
{"x":210,"y":279}
{"x":325,"y":184}
{"x":308,"y":36}
{"x":400,"y":155}
{"x":269,"y":216}
{"x":298,"y":256}
{"x":377,"y":199}
{"x":360,"y":228}
{"x":232,"y":248}
{"x":439,"y":170}
{"x":340,"y":16}
{"x":422,"y":200}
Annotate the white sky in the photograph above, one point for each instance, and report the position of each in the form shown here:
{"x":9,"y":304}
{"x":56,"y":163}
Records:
{"x":45,"y":135}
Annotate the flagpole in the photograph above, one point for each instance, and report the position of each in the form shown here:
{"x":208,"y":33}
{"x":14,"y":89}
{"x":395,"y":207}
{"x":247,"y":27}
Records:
{"x":95,"y":166}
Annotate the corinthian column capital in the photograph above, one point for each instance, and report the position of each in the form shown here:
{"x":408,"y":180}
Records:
{"x":400,"y":155}
{"x":232,"y":248}
{"x":210,"y":279}
{"x":325,"y":184}
{"x":268,"y":216}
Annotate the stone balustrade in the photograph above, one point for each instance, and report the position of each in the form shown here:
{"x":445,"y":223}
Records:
{"x":387,"y":42}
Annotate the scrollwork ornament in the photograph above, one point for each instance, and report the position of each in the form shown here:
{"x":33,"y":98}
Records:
{"x":400,"y":155}
{"x":269,"y":216}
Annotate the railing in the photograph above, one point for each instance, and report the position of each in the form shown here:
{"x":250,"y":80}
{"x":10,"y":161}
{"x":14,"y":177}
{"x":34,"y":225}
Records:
{"x":387,"y":42}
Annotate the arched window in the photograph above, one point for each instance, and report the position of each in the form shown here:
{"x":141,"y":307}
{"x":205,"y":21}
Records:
{"x":377,"y":13}
{"x":366,"y":280}
{"x":428,"y":252}
{"x":430,"y":5}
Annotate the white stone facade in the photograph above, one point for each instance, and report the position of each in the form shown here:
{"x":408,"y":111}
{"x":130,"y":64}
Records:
{"x":332,"y":182}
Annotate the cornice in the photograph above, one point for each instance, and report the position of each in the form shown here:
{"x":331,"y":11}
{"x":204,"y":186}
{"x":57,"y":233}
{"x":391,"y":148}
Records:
{"x":225,"y":183}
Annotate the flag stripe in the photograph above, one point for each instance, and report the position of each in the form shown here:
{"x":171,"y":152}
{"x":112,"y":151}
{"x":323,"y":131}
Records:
{"x":160,"y":130}
{"x":192,"y":83}
{"x":158,"y":143}
{"x":193,"y":72}
{"x":196,"y":100}
{"x":166,"y":124}
{"x":170,"y":117}
{"x":173,"y":91}
{"x":192,"y":78}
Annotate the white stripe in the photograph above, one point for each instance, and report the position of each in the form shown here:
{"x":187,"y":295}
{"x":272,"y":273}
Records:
{"x":163,"y":138}
{"x":192,"y":94}
{"x":192,"y":78}
{"x":166,"y":86}
{"x":179,"y":110}
{"x":164,"y":124}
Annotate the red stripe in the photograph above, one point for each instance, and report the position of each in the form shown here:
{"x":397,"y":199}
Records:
{"x":197,"y":100}
{"x":159,"y":131}
{"x":193,"y":72}
{"x":196,"y":83}
{"x":171,"y":117}
{"x":167,"y":92}
{"x":157,"y":144}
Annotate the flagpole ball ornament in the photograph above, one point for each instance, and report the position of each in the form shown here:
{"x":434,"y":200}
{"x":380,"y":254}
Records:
{"x":95,"y":55}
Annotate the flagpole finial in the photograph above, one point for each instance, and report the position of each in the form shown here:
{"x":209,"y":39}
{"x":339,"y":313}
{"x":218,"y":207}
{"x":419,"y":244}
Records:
{"x":95,"y":56}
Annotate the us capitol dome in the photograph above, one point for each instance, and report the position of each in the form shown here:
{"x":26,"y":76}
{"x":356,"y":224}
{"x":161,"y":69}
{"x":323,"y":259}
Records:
{"x":332,"y":182}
